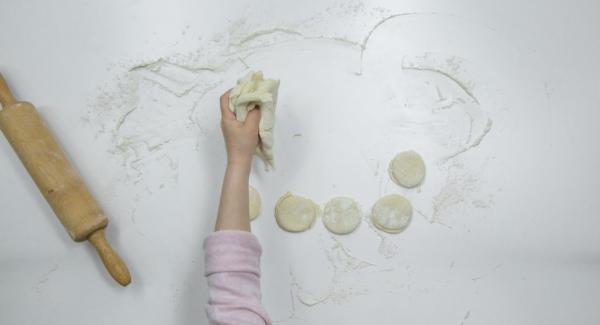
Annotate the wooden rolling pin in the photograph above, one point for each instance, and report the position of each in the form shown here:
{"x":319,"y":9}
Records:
{"x":56,"y":178}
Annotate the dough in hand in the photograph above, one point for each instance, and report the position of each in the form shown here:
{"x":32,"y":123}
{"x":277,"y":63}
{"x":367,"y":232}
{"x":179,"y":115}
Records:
{"x":295,"y":213}
{"x":391,"y":213}
{"x":254,"y":202}
{"x":407,"y":169}
{"x":252,"y":92}
{"x":341,"y":215}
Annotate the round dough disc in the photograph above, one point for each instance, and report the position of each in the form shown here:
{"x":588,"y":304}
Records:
{"x":295,"y":213}
{"x":391,"y":213}
{"x":341,"y":215}
{"x":254,"y":201}
{"x":407,"y":169}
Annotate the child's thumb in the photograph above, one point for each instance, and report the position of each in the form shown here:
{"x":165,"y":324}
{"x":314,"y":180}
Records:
{"x":253,"y":118}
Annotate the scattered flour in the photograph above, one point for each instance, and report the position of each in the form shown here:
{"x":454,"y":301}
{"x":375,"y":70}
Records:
{"x":351,"y":277}
{"x":151,"y":109}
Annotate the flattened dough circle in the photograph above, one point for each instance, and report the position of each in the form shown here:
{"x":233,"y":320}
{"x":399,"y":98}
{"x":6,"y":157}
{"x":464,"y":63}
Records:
{"x":391,"y":213}
{"x":254,"y":202}
{"x":341,"y":215}
{"x":295,"y":213}
{"x":407,"y":169}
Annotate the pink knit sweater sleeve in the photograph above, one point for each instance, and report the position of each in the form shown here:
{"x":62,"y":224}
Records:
{"x":232,"y":260}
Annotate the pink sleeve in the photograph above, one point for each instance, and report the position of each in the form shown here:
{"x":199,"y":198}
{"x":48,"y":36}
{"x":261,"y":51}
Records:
{"x":232,"y":260}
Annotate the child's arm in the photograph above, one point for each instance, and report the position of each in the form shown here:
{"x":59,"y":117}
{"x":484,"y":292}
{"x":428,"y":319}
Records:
{"x":232,"y":253}
{"x":241,"y":140}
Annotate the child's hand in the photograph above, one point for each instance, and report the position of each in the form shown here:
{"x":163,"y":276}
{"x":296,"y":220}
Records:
{"x":241,"y":138}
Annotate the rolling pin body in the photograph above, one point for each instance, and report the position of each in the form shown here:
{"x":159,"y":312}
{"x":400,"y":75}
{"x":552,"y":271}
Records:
{"x":47,"y":164}
{"x":56,"y":179}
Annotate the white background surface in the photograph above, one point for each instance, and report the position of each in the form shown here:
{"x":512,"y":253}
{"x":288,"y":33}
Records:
{"x":520,"y":244}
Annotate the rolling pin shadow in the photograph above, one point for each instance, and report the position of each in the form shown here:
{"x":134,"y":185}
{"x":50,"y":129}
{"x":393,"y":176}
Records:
{"x":57,"y":179}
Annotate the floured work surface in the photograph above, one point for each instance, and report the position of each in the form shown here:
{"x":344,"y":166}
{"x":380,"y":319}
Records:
{"x":477,"y":93}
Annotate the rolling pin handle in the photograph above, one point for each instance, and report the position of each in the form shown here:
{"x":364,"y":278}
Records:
{"x":112,"y":261}
{"x":6,"y":96}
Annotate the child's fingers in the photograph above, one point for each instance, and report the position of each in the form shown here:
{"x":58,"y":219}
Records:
{"x":226,"y":114}
{"x":253,"y":119}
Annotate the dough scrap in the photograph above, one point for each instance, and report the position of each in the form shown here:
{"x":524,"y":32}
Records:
{"x":295,"y":213}
{"x":392,"y":213}
{"x":341,"y":215}
{"x":407,"y":169}
{"x":254,"y":202}
{"x":253,"y":92}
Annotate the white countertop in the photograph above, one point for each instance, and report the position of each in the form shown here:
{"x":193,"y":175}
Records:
{"x":505,"y":232}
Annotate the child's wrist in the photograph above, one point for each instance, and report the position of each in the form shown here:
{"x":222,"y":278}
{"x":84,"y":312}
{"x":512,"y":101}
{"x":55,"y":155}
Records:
{"x":239,"y":162}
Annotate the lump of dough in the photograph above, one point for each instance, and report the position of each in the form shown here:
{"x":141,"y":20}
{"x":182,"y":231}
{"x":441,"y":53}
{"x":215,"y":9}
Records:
{"x":391,"y":213}
{"x":254,"y":201}
{"x":341,"y":215}
{"x":295,"y":213}
{"x":253,"y":92}
{"x":407,"y":169}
